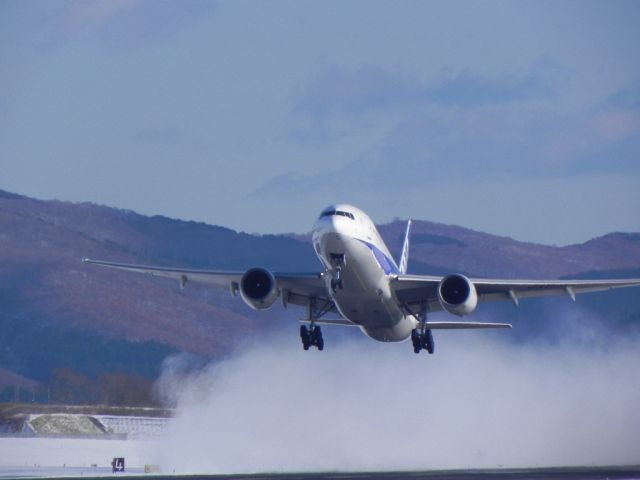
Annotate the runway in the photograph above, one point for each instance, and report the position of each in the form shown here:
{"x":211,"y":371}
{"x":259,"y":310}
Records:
{"x":582,"y":473}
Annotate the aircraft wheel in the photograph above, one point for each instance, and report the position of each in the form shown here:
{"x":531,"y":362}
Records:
{"x":416,"y":340}
{"x":429,"y":344}
{"x":305,"y":337}
{"x":316,"y":337}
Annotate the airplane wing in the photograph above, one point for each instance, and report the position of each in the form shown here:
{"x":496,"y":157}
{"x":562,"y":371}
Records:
{"x":298,"y":287}
{"x":414,"y":289}
{"x":410,"y":290}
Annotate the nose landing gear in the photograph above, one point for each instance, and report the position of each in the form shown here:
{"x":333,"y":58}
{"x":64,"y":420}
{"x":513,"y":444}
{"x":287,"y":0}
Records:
{"x":336,"y":281}
{"x":338,"y":262}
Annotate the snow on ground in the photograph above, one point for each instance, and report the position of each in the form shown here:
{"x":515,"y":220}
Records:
{"x":75,"y":425}
{"x":41,"y":456}
{"x":133,"y":426}
{"x":65,"y":453}
{"x":64,"y":424}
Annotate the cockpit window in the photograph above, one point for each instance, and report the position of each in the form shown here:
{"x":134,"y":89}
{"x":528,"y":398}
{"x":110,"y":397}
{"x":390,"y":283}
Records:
{"x":328,"y":213}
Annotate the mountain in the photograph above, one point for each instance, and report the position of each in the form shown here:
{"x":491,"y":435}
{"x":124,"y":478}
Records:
{"x":449,"y":248}
{"x":72,"y":323}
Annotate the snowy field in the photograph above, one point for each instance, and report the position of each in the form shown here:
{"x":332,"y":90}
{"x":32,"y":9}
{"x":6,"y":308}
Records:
{"x":27,"y":456}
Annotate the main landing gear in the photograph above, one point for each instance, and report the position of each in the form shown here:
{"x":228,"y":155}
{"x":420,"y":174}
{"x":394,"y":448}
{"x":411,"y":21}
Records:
{"x":421,"y":337}
{"x":311,"y":336}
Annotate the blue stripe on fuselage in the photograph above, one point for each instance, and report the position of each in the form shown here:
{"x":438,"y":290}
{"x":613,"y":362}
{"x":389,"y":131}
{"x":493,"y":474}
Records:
{"x":387,"y":265}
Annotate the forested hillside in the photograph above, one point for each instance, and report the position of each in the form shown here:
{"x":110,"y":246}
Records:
{"x":77,"y":333}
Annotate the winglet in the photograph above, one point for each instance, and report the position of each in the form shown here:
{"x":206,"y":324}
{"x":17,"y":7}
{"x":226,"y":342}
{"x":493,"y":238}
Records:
{"x":404,"y":257}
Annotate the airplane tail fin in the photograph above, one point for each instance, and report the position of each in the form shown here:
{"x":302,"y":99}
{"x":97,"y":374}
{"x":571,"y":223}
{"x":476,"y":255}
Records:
{"x":404,"y":257}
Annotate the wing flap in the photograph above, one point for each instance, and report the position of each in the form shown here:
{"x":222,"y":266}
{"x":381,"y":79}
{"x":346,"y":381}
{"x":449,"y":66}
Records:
{"x":183,"y":275}
{"x":500,"y":289}
{"x":331,"y":321}
{"x":415,"y":289}
{"x":464,"y":325}
{"x":296,"y":287}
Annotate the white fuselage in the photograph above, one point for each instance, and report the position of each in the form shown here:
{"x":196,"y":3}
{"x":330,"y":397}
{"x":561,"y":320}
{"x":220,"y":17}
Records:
{"x":348,"y":241}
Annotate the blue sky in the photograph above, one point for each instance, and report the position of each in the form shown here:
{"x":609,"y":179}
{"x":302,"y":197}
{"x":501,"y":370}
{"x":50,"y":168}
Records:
{"x":515,"y":118}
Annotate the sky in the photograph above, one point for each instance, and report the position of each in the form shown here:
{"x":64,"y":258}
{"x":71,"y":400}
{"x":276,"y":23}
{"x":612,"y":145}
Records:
{"x":515,"y":118}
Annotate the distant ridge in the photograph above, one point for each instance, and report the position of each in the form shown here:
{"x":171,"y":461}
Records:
{"x":9,"y":195}
{"x":57,"y":313}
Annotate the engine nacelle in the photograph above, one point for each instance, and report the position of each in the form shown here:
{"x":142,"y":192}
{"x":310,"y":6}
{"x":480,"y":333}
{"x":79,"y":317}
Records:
{"x":258,"y":288}
{"x":457,"y":295}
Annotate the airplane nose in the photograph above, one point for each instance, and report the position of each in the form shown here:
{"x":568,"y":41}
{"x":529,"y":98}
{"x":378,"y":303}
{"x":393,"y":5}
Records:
{"x":335,"y":223}
{"x":326,"y":225}
{"x":322,"y":222}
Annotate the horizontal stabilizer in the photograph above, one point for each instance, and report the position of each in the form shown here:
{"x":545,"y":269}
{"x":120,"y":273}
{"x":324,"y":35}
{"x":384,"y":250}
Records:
{"x":329,"y":321}
{"x":461,"y":325}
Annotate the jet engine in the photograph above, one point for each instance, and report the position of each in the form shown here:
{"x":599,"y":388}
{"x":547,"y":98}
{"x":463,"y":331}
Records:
{"x":457,"y":295}
{"x":258,"y":288}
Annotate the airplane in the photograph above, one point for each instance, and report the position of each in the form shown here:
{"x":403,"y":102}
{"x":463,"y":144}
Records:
{"x":363,"y":286}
